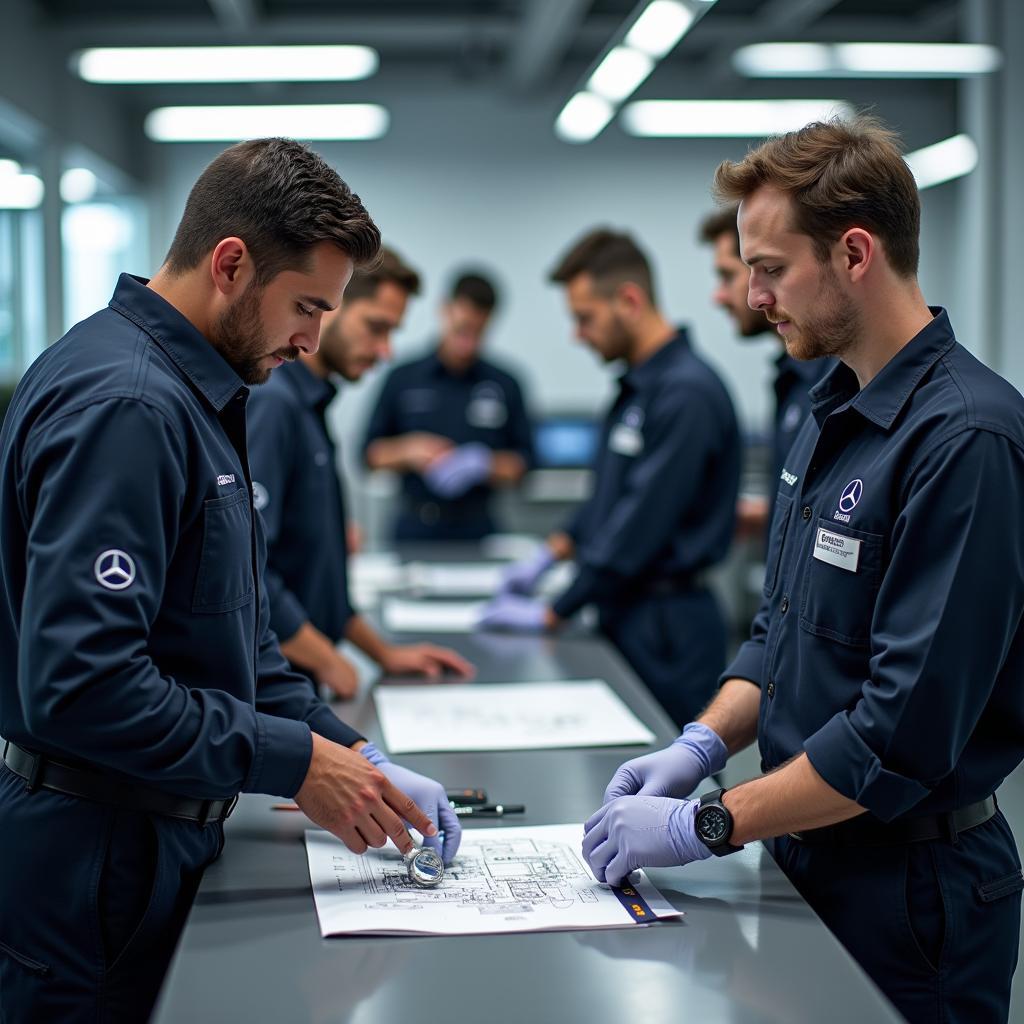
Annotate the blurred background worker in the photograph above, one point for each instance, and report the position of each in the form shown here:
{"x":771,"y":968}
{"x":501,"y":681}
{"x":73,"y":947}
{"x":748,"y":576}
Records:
{"x":793,"y":378}
{"x":663,"y":508}
{"x":297,"y":488}
{"x":453,"y":424}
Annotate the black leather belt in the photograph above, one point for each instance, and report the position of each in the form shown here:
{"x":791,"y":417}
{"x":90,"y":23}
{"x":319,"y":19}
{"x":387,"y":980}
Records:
{"x":42,"y":772}
{"x":868,"y":831}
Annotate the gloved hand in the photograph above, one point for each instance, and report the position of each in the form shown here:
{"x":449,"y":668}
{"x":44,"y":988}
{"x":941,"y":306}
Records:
{"x":455,"y":472}
{"x":675,"y":771}
{"x":514,"y":613}
{"x":429,"y":797}
{"x":523,"y":577}
{"x":641,"y":832}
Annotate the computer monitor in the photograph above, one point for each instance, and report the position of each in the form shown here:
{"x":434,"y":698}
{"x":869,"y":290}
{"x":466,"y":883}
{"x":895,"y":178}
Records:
{"x":566,"y":441}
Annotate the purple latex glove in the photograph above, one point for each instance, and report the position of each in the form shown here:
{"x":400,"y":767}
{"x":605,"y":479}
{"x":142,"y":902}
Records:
{"x":641,"y":832}
{"x":464,"y":467}
{"x":675,"y":771}
{"x":523,"y":577}
{"x":514,"y":613}
{"x":429,"y":797}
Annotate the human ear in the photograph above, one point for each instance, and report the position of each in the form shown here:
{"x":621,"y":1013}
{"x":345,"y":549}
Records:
{"x":231,"y":266}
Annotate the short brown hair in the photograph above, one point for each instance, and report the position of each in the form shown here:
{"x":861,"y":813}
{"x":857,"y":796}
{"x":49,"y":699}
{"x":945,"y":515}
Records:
{"x":476,"y":289}
{"x":611,"y":258}
{"x":721,"y":222}
{"x":839,"y":174}
{"x":281,"y":199}
{"x":389,"y":268}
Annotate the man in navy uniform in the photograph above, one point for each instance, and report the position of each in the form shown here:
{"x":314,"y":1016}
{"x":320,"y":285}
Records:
{"x":793,"y":377}
{"x":663,"y":507}
{"x":453,"y":424}
{"x":298,"y":490}
{"x":884,"y":677}
{"x":141,"y":687}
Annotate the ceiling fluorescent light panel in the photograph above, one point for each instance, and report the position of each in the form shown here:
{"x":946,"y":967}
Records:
{"x":315,"y":122}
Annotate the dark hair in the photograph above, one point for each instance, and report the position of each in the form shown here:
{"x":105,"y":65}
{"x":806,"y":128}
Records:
{"x":474,"y":288}
{"x":281,"y":199}
{"x":611,"y":258}
{"x":840,"y":175}
{"x":389,"y":268}
{"x":721,"y":222}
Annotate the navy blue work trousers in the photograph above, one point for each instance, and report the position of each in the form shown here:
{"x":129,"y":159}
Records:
{"x":92,"y":900}
{"x":936,"y":925}
{"x":676,"y":644}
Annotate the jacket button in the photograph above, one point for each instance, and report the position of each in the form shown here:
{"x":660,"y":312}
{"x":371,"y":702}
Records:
{"x":785,"y":603}
{"x":771,"y":688}
{"x":807,"y":512}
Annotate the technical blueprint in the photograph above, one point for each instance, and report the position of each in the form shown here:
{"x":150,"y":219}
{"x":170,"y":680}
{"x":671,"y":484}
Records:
{"x":503,"y":880}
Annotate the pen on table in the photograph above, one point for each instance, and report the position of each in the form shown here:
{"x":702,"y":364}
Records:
{"x":489,"y":810}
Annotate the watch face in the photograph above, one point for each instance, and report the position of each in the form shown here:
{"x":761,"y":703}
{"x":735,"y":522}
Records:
{"x":712,"y":825}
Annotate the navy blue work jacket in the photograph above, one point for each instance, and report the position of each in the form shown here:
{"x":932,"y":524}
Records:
{"x":665,"y":481}
{"x":298,"y":492}
{"x":889,"y":645}
{"x":134,"y":633}
{"x":485,"y":405}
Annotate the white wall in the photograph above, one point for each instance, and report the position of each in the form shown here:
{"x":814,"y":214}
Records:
{"x":465,"y":175}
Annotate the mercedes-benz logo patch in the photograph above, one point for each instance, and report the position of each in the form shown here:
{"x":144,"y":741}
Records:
{"x":115,"y":569}
{"x":851,"y":495}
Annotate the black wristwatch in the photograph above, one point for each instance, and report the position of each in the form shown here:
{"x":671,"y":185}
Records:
{"x":713,"y":824}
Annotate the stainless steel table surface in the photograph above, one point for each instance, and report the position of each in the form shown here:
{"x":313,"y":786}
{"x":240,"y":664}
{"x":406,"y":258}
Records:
{"x":748,"y":949}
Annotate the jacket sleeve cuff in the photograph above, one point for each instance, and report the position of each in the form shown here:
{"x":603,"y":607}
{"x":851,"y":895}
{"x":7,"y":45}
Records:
{"x":582,"y":591}
{"x":324,"y":722}
{"x":748,"y":664}
{"x":284,"y":748}
{"x":842,"y":758}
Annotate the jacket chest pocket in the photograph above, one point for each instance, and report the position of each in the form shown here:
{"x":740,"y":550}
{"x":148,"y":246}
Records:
{"x":843,"y":574}
{"x":225,"y":580}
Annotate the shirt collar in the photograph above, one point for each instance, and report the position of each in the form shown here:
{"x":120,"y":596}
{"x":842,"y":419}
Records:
{"x":438,"y":369}
{"x":188,"y":348}
{"x":313,"y":391}
{"x":641,"y":376}
{"x":889,"y":391}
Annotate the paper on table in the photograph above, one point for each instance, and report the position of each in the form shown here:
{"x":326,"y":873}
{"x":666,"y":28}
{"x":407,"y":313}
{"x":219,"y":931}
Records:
{"x":506,"y":716}
{"x":503,"y":880}
{"x":477,"y":579}
{"x":408,"y":616}
{"x":378,"y":570}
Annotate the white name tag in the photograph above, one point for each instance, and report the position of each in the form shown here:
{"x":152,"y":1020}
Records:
{"x":626,"y":440}
{"x":837,"y":549}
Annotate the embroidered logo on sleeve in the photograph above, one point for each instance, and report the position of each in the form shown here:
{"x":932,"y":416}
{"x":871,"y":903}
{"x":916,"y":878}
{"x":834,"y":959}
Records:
{"x":114,"y":569}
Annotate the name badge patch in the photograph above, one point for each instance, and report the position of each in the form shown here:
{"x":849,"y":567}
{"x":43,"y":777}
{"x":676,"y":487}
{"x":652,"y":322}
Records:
{"x":837,"y":549}
{"x":626,"y":440}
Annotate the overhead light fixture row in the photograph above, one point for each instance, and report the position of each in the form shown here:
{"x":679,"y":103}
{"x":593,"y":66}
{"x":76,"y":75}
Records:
{"x":315,"y":122}
{"x":152,"y":64}
{"x":944,"y":161}
{"x":650,"y":34}
{"x":866,"y":60}
{"x":718,"y":119}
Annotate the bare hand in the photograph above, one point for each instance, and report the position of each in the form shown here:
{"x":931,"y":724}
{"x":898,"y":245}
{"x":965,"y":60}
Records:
{"x":339,"y":675}
{"x":421,"y":449}
{"x":425,"y":660}
{"x":354,"y":801}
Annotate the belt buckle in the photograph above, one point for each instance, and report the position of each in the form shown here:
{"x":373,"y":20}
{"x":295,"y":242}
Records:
{"x":231,"y":806}
{"x":205,"y":817}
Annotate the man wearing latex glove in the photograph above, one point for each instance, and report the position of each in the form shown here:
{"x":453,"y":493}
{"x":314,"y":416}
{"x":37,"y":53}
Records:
{"x":517,"y":614}
{"x":456,"y":471}
{"x":298,"y":489}
{"x":641,"y":831}
{"x":453,"y":424}
{"x":428,"y":795}
{"x":675,"y":771}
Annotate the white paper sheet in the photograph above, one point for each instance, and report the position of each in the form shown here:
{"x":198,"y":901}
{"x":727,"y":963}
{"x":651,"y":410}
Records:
{"x":503,"y":880}
{"x":458,"y":579}
{"x":409,"y":616}
{"x":506,"y":716}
